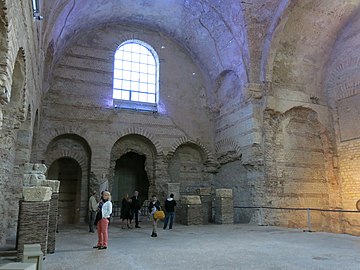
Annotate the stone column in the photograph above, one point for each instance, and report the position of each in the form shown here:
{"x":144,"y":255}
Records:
{"x":224,"y":206}
{"x":34,"y":218}
{"x":206,"y":202}
{"x":191,"y":210}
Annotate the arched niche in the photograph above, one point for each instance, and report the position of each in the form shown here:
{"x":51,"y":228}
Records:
{"x":187,"y":167}
{"x":15,"y":111}
{"x":75,"y":147}
{"x":299,"y":170}
{"x":141,"y":148}
{"x":68,"y":171}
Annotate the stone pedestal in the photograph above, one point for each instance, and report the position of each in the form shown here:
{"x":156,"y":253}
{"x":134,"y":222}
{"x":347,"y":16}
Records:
{"x":34,"y":218}
{"x":224,"y":206}
{"x":191,"y":210}
{"x":206,"y":202}
{"x":53,"y":222}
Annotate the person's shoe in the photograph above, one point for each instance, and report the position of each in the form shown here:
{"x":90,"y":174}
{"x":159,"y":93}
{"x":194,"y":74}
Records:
{"x":102,"y":248}
{"x":96,"y":246}
{"x":155,"y":234}
{"x":137,"y":226}
{"x":164,"y":228}
{"x":170,"y":228}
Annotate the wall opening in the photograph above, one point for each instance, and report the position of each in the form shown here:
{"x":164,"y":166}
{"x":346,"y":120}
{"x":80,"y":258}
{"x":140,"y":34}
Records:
{"x":130,"y":175}
{"x":69,"y":172}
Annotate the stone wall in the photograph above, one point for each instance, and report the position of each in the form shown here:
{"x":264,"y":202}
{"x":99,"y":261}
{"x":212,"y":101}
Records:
{"x":81,"y":92}
{"x":19,"y":100}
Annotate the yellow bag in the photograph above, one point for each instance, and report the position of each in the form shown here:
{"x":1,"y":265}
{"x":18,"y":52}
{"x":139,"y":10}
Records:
{"x":159,"y":215}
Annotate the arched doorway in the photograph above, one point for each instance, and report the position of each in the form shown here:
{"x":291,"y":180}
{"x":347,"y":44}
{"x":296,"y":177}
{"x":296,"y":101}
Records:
{"x":130,"y":175}
{"x":69,"y":172}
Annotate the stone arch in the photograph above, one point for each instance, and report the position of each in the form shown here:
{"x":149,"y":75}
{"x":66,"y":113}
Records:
{"x":75,"y":147}
{"x":5,"y":69}
{"x":227,"y":150}
{"x":15,"y":111}
{"x":207,"y":155}
{"x":299,"y":167}
{"x":142,"y":132}
{"x":188,"y":166}
{"x":50,"y":134}
{"x":140,"y":145}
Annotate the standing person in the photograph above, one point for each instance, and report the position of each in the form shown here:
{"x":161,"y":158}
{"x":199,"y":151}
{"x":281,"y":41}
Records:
{"x":125,"y":213}
{"x":154,"y":206}
{"x":135,"y":208}
{"x":93,"y":206}
{"x":170,"y":204}
{"x":105,"y":206}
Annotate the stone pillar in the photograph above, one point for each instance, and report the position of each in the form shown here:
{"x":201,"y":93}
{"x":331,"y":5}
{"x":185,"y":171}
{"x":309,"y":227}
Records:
{"x":53,"y":214}
{"x":224,"y":206}
{"x":53,"y":222}
{"x":34,"y":218}
{"x":206,"y":202}
{"x":191,"y":210}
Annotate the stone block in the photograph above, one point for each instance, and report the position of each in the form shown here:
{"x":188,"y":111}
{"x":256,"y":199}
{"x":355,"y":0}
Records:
{"x":53,"y":184}
{"x":33,"y":254}
{"x":224,"y":210}
{"x":204,"y":191}
{"x":192,"y":214}
{"x":190,"y":199}
{"x":19,"y":266}
{"x":224,"y":193}
{"x":33,"y":225}
{"x":37,"y":194}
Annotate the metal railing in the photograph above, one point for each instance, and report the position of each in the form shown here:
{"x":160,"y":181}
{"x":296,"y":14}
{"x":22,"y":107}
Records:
{"x":308,"y":210}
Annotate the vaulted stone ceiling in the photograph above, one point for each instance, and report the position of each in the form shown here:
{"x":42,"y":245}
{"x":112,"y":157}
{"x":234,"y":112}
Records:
{"x":283,"y":41}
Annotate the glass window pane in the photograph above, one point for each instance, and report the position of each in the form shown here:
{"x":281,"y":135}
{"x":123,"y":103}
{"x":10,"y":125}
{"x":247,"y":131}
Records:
{"x":151,"y":88}
{"x":135,"y":86}
{"x":117,"y":84}
{"x":135,"y":70}
{"x":151,"y":98}
{"x":118,"y":64}
{"x":126,"y":75}
{"x":125,"y":95}
{"x":143,"y":87}
{"x":134,"y":96}
{"x":151,"y":79}
{"x":126,"y":65}
{"x":151,"y":70}
{"x":143,"y":97}
{"x":117,"y":73}
{"x":126,"y":85}
{"x":143,"y":68}
{"x":127,"y":57}
{"x":135,"y":76}
{"x":117,"y":94}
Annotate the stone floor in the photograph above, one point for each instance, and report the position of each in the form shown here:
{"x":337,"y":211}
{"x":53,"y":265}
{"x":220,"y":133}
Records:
{"x":205,"y":247}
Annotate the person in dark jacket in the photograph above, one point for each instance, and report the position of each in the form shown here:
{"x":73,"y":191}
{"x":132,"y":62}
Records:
{"x":125,"y":213}
{"x":135,"y":208}
{"x":154,"y":206}
{"x":170,"y":204}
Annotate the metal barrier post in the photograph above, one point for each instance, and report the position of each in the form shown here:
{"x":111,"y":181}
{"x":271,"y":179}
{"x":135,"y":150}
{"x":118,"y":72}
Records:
{"x":261,"y":216}
{"x":309,"y":219}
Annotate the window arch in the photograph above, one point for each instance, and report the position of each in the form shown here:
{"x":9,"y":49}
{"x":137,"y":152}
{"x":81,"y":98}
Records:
{"x":136,"y":73}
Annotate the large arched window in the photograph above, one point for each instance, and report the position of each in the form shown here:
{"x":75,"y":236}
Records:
{"x":136,"y":68}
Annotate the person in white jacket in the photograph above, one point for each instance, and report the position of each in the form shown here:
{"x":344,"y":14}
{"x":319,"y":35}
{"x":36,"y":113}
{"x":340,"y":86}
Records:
{"x":105,"y":206}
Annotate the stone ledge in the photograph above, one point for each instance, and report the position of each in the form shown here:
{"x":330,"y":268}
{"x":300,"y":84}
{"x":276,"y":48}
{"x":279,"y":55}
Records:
{"x":190,"y":199}
{"x":37,"y":194}
{"x":224,"y":193}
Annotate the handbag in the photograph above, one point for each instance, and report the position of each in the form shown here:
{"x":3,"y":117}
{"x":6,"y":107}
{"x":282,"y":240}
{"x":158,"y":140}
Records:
{"x":98,"y":217}
{"x":159,"y":215}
